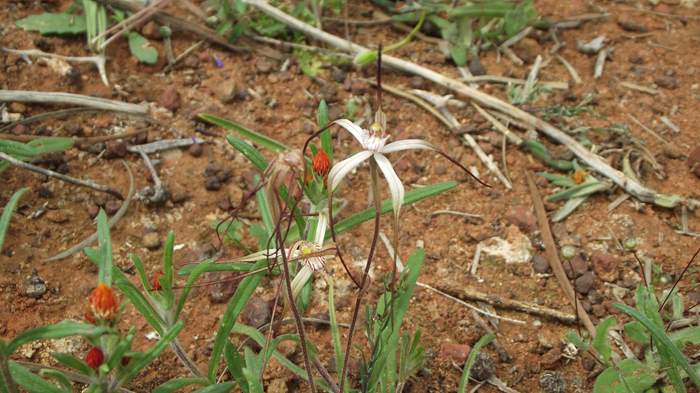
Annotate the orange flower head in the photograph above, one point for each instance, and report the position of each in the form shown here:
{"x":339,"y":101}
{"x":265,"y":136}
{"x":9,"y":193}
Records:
{"x":104,"y":304}
{"x":321,"y":163}
{"x":155,"y":284}
{"x":579,"y":176}
{"x":95,"y":357}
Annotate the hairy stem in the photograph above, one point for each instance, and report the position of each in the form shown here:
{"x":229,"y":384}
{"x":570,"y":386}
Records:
{"x":365,"y":274}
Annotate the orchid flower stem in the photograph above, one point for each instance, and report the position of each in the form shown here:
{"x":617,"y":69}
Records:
{"x":290,"y":296}
{"x":373,"y":247}
{"x":331,"y":225}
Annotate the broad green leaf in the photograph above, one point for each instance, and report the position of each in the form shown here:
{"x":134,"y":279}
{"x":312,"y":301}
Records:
{"x":664,"y":344}
{"x":58,"y":330}
{"x":629,"y":376}
{"x":411,"y":197}
{"x":142,"y":49}
{"x":30,"y":381}
{"x":483,"y":341}
{"x":251,"y":153}
{"x":600,"y":342}
{"x":179,"y":383}
{"x":7,"y":213}
{"x":636,"y":332}
{"x":244,"y":132}
{"x":54,"y":23}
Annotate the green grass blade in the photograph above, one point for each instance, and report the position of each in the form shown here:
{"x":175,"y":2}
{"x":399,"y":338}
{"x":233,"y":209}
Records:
{"x":235,"y":364}
{"x":663,"y":342}
{"x":105,"y":246}
{"x":238,"y":267}
{"x":51,"y":144}
{"x":245,"y":132}
{"x":412,"y":196}
{"x":483,"y":341}
{"x":136,"y":365}
{"x":194,"y":275}
{"x":335,"y":332}
{"x":225,"y":387}
{"x":168,"y":275}
{"x":30,"y":381}
{"x":58,"y":330}
{"x":322,"y":121}
{"x":176,"y":384}
{"x":235,"y":306}
{"x":251,"y":153}
{"x":7,"y":213}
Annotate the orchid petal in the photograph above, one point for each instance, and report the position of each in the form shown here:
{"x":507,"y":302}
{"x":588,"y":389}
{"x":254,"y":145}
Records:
{"x":407,"y":144}
{"x":321,"y":226}
{"x":300,"y":280}
{"x":358,"y":132}
{"x":395,"y":185}
{"x":341,"y":169}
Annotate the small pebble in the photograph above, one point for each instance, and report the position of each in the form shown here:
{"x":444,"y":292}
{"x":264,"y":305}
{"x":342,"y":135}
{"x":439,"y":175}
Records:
{"x":585,"y":283}
{"x":256,"y":312}
{"x":112,"y":207}
{"x":606,"y":266}
{"x":552,"y":382}
{"x":115,"y":149}
{"x":694,"y":161}
{"x":483,"y":368}
{"x":151,"y":241}
{"x":36,"y":286}
{"x":540,"y":264}
{"x":195,"y":150}
{"x":667,"y":82}
{"x":454,"y":352}
{"x":170,"y":98}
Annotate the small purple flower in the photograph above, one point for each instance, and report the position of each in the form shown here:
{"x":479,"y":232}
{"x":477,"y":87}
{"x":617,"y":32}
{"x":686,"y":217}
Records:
{"x":218,"y":62}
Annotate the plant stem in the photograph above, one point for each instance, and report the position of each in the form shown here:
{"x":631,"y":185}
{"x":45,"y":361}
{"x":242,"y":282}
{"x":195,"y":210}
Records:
{"x":365,"y":274}
{"x":292,"y":303}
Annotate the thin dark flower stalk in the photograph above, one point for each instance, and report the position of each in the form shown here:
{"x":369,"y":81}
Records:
{"x":290,"y":297}
{"x":641,"y":269}
{"x":365,"y":274}
{"x":661,"y":307}
{"x":233,"y":214}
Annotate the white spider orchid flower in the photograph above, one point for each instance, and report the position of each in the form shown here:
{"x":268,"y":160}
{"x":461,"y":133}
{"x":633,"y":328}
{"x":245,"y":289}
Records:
{"x":310,"y":255}
{"x":374,"y":145}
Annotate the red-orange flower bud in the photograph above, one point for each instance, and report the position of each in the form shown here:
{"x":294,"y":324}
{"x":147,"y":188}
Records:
{"x":94,"y":358}
{"x":321,"y":163}
{"x":155,"y":284}
{"x":103,"y":302}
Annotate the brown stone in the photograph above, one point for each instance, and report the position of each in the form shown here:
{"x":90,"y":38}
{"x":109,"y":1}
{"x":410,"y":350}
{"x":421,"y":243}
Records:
{"x":694,"y":161}
{"x":170,"y":99}
{"x":605,"y":266}
{"x":455,"y":352}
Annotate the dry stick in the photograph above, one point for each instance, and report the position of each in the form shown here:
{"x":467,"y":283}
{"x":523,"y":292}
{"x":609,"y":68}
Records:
{"x":112,"y":221}
{"x":515,"y":81}
{"x":182,"y":56}
{"x":510,"y":135}
{"x":640,"y":88}
{"x":45,"y":97}
{"x":572,"y":71}
{"x":592,"y":160}
{"x":98,"y":60}
{"x":441,"y":104}
{"x":553,"y":256}
{"x":60,"y":176}
{"x":399,"y":265}
{"x":647,"y":129}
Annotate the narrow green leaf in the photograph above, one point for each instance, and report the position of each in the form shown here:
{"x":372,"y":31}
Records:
{"x":7,"y":213}
{"x":105,"y":246}
{"x":235,"y":306}
{"x":411,"y":197}
{"x":168,"y":273}
{"x":51,"y":144}
{"x":142,"y":49}
{"x":30,"y":381}
{"x":53,"y":23}
{"x":683,"y":337}
{"x":58,"y":330}
{"x":179,"y":383}
{"x":251,"y":153}
{"x":139,"y":301}
{"x":483,"y":341}
{"x":137,"y":365}
{"x":60,"y":377}
{"x":238,"y":267}
{"x":322,"y":121}
{"x":335,"y":331}
{"x":194,"y":275}
{"x":73,"y":362}
{"x":636,"y":332}
{"x":218,"y":388}
{"x":18,"y":149}
{"x":246,"y":133}
{"x":235,"y":364}
{"x":663,"y":342}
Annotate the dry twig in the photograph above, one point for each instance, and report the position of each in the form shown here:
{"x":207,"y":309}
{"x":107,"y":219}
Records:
{"x":45,"y":97}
